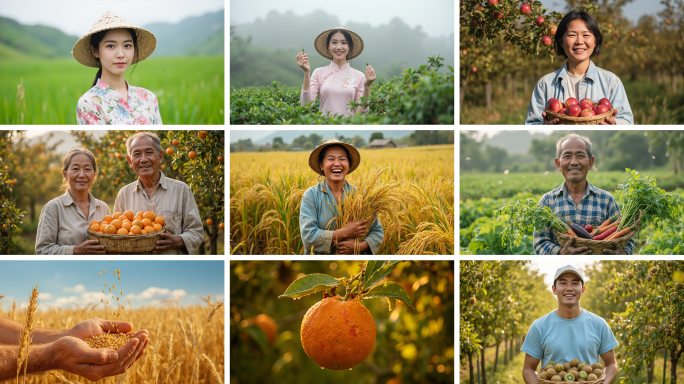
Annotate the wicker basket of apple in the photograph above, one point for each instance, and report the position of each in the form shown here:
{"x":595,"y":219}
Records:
{"x":573,"y":112}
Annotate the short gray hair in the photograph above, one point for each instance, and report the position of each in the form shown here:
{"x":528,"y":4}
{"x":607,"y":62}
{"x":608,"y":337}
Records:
{"x":67,"y":161}
{"x":153,"y":136}
{"x":571,"y":136}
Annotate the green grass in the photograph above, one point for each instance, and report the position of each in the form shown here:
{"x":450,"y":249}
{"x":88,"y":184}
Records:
{"x":651,"y":103}
{"x":190,"y":90}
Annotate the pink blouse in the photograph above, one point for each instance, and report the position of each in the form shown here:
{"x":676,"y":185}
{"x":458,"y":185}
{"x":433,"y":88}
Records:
{"x":336,"y":86}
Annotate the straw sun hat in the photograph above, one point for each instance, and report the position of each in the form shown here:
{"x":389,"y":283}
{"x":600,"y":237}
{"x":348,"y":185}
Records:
{"x":147,"y":42}
{"x":322,"y":47}
{"x":353,"y":152}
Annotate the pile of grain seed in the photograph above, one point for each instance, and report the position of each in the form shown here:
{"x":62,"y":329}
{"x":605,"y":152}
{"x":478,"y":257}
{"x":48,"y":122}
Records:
{"x":114,"y":341}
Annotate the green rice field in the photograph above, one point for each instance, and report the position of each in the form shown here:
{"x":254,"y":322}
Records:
{"x":190,"y":90}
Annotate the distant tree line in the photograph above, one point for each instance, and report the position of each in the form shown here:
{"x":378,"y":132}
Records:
{"x":417,"y":138}
{"x":612,"y":151}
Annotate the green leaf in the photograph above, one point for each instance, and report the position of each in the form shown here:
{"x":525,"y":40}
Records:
{"x":378,"y":275}
{"x":258,"y":335}
{"x":392,"y":291}
{"x":372,"y":266}
{"x":309,"y":284}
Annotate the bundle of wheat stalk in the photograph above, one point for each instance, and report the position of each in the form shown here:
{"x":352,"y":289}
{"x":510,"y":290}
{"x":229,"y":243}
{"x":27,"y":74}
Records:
{"x":370,"y":197}
{"x":26,"y":335}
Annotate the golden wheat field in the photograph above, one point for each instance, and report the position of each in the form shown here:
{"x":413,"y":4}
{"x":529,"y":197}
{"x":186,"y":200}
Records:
{"x":266,"y":190}
{"x":176,"y":336}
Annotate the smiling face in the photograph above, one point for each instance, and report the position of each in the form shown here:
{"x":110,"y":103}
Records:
{"x":339,"y":46}
{"x":574,"y":162}
{"x":144,"y":157}
{"x":578,"y":41}
{"x":335,"y":164}
{"x":115,"y":51}
{"x":569,"y":289}
{"x":80,"y":173}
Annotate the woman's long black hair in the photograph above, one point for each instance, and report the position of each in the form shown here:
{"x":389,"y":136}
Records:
{"x":347,"y":36}
{"x":95,"y":40}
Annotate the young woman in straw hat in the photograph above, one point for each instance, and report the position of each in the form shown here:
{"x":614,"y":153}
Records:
{"x":334,"y":160}
{"x":337,"y":83}
{"x":112,"y":45}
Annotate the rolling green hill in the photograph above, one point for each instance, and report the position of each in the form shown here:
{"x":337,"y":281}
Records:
{"x":33,"y":40}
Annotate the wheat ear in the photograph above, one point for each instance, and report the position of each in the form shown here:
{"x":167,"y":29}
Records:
{"x":217,"y":376}
{"x":195,"y":369}
{"x":26,"y":335}
{"x":64,"y":379}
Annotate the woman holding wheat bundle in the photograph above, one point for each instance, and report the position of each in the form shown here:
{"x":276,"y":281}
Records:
{"x":113,"y":45}
{"x":321,"y":221}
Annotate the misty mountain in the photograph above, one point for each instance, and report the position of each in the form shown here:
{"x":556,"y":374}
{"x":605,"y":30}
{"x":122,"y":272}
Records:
{"x":20,"y":41}
{"x":289,"y":136}
{"x":514,"y":141}
{"x":275,"y":41}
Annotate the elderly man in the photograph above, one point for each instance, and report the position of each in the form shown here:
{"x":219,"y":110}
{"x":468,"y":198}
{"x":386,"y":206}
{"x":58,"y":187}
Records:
{"x":169,"y":198}
{"x":576,"y":199}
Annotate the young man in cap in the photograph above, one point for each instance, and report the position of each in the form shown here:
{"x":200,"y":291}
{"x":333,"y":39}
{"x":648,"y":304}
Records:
{"x":569,"y":332}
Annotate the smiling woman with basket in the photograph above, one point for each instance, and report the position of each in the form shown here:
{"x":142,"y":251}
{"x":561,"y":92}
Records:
{"x":578,"y":39}
{"x":63,"y":220}
{"x":113,"y":45}
{"x":337,"y":83}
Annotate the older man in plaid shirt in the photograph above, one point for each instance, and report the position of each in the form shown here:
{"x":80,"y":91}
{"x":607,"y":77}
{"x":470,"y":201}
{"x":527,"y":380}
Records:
{"x":576,"y":199}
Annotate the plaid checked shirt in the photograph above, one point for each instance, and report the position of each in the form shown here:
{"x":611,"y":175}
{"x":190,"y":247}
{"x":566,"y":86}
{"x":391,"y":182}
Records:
{"x":595,"y":207}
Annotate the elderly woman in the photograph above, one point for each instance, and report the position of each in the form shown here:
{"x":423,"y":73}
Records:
{"x":334,"y":160}
{"x":169,"y":198}
{"x":64,"y":220}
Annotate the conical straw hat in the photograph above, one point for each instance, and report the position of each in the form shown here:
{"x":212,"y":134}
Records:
{"x":147,"y":42}
{"x":353,"y":153}
{"x":322,"y":48}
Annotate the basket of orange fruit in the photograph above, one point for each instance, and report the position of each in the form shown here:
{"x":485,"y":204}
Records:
{"x":128,"y":233}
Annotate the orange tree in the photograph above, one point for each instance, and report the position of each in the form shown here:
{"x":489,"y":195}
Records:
{"x":10,"y":215}
{"x":196,"y":159}
{"x":652,"y":317}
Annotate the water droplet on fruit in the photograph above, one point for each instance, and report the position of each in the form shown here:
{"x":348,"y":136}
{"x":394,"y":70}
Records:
{"x":350,"y":369}
{"x":322,"y":368}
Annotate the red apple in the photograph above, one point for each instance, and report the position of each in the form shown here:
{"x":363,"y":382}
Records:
{"x":553,"y":31}
{"x":585,"y":105}
{"x":539,"y":20}
{"x":546,"y":40}
{"x":562,"y":111}
{"x":474,"y":69}
{"x":554,"y":105}
{"x":571,"y":101}
{"x":587,"y":113}
{"x":493,"y":2}
{"x":525,"y":9}
{"x":601,"y":109}
{"x":605,"y":102}
{"x":480,"y":9}
{"x":574,"y":110}
{"x":586,"y":99}
{"x":497,"y":15}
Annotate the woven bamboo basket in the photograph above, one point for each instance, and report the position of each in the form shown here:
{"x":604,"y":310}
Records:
{"x":571,"y":120}
{"x":127,"y":243}
{"x":599,"y":381}
{"x":597,"y":246}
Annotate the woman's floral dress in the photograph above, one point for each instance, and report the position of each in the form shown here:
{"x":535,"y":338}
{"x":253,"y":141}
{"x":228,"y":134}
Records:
{"x":102,"y":104}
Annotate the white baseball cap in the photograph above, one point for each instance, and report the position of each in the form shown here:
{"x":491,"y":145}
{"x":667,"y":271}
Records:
{"x":568,"y":269}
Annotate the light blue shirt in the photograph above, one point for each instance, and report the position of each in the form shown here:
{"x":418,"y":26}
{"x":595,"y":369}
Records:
{"x":585,"y":337}
{"x":597,"y":84}
{"x":316,"y":214}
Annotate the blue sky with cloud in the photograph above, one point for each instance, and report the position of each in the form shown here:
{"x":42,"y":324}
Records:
{"x":66,"y":284}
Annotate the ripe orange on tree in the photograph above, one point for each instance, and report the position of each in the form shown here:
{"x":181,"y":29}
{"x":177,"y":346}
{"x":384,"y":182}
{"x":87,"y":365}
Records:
{"x":266,"y":324}
{"x":338,"y":334}
{"x":169,"y":151}
{"x":202,"y":134}
{"x":210,"y":221}
{"x":221,"y":226}
{"x":192,"y":155}
{"x":220,"y":159}
{"x":175,"y":142}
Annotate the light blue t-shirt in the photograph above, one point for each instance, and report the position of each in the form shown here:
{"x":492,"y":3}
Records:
{"x":561,"y":340}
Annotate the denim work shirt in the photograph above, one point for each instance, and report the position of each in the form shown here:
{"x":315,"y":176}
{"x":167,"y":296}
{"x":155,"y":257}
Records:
{"x":595,"y":207}
{"x":597,"y":84}
{"x":316,"y":214}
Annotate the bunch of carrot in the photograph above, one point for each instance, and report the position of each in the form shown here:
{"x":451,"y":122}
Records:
{"x":608,"y":230}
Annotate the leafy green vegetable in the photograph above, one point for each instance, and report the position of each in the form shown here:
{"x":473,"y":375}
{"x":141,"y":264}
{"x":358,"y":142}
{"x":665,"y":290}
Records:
{"x":528,"y":215}
{"x":366,"y":64}
{"x":303,"y":50}
{"x":642,"y":194}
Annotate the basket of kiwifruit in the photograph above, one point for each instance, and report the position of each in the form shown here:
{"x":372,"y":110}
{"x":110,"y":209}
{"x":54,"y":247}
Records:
{"x":572,"y":371}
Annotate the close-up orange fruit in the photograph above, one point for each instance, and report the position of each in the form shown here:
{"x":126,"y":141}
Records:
{"x":210,"y":221}
{"x":126,"y":225}
{"x":110,"y":229}
{"x":95,"y":227}
{"x":122,"y":231}
{"x":149,"y":229}
{"x":140,"y":213}
{"x":94,"y":222}
{"x":157,"y":227}
{"x":108,"y":218}
{"x":137,"y":222}
{"x":221,"y":226}
{"x":135,"y":230}
{"x":146,"y":222}
{"x":338,"y":334}
{"x":202,"y":134}
{"x":159,"y":220}
{"x":116,"y":215}
{"x":143,"y":232}
{"x":149,"y":215}
{"x":169,"y":151}
{"x":175,"y":142}
{"x":192,"y":155}
{"x":116,"y":223}
{"x":129,"y":215}
{"x":268,"y":325}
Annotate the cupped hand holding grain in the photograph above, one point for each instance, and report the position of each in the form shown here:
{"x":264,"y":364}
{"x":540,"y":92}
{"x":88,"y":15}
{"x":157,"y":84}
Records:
{"x":74,"y":355}
{"x":98,"y":326}
{"x":89,"y":247}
